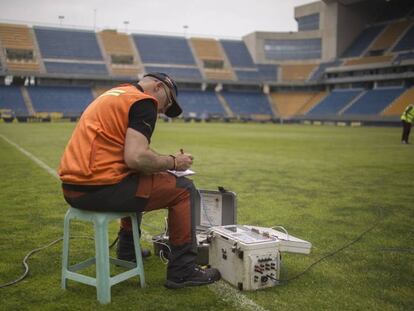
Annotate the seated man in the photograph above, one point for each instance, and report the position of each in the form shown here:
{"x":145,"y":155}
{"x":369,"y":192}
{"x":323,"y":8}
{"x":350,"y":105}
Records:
{"x":108,"y":165}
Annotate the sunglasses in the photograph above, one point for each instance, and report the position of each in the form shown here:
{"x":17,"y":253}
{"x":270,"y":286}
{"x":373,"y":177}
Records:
{"x":168,"y":94}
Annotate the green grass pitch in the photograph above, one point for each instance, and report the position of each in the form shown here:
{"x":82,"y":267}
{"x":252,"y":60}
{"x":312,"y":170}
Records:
{"x":324,"y":184}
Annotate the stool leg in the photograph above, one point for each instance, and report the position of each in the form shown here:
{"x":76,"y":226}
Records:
{"x":65,"y":255}
{"x":138,"y":256}
{"x":103,"y":286}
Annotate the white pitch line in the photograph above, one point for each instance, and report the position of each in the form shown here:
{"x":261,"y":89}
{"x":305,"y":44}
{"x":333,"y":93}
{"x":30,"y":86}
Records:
{"x":229,"y":294}
{"x":32,"y":157}
{"x":221,"y":289}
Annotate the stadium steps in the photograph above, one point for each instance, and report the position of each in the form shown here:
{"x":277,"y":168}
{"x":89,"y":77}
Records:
{"x":225,"y":105}
{"x":138,"y":57}
{"x":38,"y":55}
{"x":28,"y":101}
{"x":312,"y":102}
{"x":353,"y":101}
{"x":197,"y":58}
{"x":397,"y":107}
{"x":273,"y":107}
{"x":106,"y":57}
{"x":2,"y":56}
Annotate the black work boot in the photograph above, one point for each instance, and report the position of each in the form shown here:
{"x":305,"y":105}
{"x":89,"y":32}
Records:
{"x":182,"y":272}
{"x":125,"y":247}
{"x":197,"y":277}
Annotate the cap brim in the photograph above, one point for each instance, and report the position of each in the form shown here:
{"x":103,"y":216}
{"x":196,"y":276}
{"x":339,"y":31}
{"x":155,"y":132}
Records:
{"x":175,"y":110}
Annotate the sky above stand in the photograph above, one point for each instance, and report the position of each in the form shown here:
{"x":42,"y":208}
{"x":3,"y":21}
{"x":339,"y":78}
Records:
{"x":212,"y":18}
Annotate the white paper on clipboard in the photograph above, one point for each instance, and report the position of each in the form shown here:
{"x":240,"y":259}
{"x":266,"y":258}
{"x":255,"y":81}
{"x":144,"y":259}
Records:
{"x":211,"y":209}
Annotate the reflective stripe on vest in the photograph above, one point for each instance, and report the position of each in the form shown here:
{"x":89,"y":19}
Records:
{"x":95,"y":153}
{"x":408,"y":114}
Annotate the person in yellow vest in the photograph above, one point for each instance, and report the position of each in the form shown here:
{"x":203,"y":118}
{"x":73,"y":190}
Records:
{"x":108,"y":165}
{"x":407,"y":120}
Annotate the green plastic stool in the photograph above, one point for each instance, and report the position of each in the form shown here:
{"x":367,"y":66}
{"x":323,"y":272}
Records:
{"x":103,"y":280}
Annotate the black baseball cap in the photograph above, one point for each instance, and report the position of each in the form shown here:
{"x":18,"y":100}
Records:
{"x":174,"y":110}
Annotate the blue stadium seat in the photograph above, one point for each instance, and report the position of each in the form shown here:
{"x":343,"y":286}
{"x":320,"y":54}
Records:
{"x":201,"y":103}
{"x":247,"y":102}
{"x":334,"y":102}
{"x":248,"y":75}
{"x":318,"y":73}
{"x":237,"y":53}
{"x":362,"y":42}
{"x":71,"y":101}
{"x":374,"y":101}
{"x":75,"y":68}
{"x":155,"y":49}
{"x":11,"y":98}
{"x":407,"y":42}
{"x":68,"y":44}
{"x":268,"y":72}
{"x":177,"y":73}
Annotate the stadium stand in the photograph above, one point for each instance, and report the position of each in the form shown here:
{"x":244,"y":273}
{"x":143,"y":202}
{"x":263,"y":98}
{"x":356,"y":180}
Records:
{"x":406,"y":42}
{"x":154,"y":49}
{"x":296,"y":72}
{"x":368,"y":60}
{"x":71,"y":101}
{"x":212,"y":59}
{"x":334,"y":102}
{"x":11,"y":98}
{"x":201,"y":104}
{"x":388,"y":37}
{"x":380,"y":55}
{"x":120,"y":53}
{"x":68,"y":44}
{"x":374,"y":101}
{"x":320,"y":70}
{"x":74,"y":52}
{"x":362,"y":42}
{"x":397,"y":107}
{"x":247,"y":103}
{"x":20,"y":52}
{"x":237,"y":54}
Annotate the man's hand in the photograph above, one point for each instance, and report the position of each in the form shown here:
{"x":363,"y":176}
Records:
{"x":183,"y":161}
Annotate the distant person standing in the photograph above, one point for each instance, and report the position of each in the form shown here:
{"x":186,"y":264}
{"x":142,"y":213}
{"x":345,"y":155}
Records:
{"x":407,"y":120}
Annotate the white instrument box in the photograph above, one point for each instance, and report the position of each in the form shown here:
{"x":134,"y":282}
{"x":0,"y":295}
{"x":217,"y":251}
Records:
{"x":248,"y":257}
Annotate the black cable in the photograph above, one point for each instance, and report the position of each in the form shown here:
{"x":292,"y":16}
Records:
{"x":114,"y":242}
{"x":26,"y":258}
{"x":285,"y":281}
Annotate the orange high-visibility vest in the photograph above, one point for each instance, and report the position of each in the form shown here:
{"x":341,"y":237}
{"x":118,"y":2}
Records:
{"x":95,"y":152}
